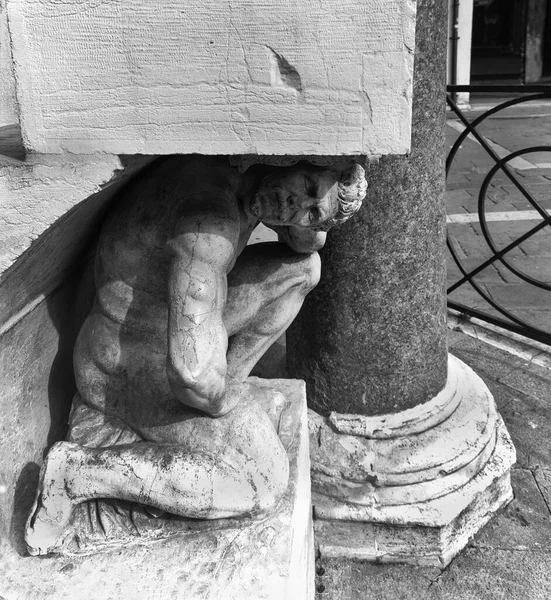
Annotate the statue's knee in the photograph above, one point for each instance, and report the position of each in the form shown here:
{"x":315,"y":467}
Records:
{"x":312,"y":270}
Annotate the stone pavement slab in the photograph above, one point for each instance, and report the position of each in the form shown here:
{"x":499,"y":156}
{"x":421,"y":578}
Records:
{"x":475,"y":575}
{"x":543,"y":479}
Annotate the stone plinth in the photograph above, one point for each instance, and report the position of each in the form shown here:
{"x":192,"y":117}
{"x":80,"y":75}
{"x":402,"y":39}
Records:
{"x":415,"y":486}
{"x":226,"y":77}
{"x":270,"y":557}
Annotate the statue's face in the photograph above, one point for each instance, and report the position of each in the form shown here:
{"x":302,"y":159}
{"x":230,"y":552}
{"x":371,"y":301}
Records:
{"x":302,"y":196}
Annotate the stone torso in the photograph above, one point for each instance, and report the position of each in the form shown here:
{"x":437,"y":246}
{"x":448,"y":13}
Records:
{"x":120,"y":356}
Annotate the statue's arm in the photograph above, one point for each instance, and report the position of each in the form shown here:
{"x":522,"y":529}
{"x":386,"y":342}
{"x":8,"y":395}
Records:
{"x":301,"y":239}
{"x":202,"y":249}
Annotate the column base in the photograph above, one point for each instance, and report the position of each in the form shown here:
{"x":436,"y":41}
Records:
{"x":415,"y":498}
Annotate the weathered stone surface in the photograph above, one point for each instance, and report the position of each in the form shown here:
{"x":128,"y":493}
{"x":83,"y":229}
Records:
{"x":428,"y":533}
{"x":412,"y":420}
{"x":371,"y":339}
{"x":529,"y":419}
{"x":221,"y":78}
{"x":38,"y":192}
{"x":270,"y":557}
{"x":476,"y":574}
{"x":36,"y":389}
{"x":417,"y":497}
{"x":525,"y":524}
{"x":407,"y":467}
{"x":43,"y":301}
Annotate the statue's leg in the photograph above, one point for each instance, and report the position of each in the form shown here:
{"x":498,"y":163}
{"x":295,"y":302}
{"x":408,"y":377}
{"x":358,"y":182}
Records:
{"x":266,"y":289}
{"x":231,"y":466}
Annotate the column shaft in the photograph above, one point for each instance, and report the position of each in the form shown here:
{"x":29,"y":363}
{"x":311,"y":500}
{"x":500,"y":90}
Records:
{"x":371,"y":338}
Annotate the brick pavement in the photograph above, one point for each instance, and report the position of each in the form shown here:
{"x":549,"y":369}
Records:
{"x":516,"y":128}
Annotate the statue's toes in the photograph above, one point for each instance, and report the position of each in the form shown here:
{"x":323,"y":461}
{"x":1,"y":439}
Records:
{"x":41,"y":537}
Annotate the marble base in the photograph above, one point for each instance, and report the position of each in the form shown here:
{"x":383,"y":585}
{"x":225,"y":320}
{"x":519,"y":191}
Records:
{"x":270,"y":557}
{"x":416,"y":498}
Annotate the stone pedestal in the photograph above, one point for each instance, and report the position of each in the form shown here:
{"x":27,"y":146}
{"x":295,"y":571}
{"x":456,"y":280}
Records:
{"x":270,"y":557}
{"x":409,"y":456}
{"x":414,"y":486}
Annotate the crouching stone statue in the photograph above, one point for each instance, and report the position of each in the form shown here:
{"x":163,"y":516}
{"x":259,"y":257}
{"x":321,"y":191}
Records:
{"x":164,"y":415}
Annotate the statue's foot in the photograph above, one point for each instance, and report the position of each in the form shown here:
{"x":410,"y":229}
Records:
{"x":52,"y":507}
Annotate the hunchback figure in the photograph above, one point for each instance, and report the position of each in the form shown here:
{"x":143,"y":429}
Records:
{"x":165,"y":415}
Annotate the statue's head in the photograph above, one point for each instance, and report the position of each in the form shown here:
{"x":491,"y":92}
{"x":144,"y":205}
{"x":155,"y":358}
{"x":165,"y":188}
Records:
{"x":305,"y":195}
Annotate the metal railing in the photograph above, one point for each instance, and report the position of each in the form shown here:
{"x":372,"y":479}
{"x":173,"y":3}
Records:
{"x":511,"y":322}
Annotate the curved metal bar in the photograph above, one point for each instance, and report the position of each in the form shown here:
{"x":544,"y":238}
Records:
{"x":470,"y":128}
{"x":497,"y":256}
{"x":489,"y":300}
{"x":482,"y":117}
{"x":528,"y":331}
{"x":484,"y":224}
{"x":516,"y":323}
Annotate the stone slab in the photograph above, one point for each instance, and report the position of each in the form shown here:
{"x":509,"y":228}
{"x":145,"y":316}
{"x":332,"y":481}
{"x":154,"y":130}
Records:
{"x":268,"y":558}
{"x":525,"y":524}
{"x":227,"y":77}
{"x":529,"y":422}
{"x":543,"y":479}
{"x":474,"y":575}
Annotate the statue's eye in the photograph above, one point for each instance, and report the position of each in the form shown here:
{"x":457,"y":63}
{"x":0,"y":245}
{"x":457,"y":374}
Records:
{"x":313,"y":215}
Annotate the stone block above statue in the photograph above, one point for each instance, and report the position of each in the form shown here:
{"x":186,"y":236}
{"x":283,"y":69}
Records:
{"x":236,"y":77}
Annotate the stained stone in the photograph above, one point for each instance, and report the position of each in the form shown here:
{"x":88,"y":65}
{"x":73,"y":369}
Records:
{"x":371,"y":339}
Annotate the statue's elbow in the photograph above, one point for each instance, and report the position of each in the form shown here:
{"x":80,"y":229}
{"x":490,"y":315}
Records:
{"x":188,"y":390}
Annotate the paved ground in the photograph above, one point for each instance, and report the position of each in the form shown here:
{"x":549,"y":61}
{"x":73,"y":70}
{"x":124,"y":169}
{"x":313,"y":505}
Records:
{"x":510,"y":214}
{"x":510,"y":559}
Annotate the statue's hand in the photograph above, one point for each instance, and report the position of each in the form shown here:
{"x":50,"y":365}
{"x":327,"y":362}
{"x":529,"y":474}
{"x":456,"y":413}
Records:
{"x":206,"y":389}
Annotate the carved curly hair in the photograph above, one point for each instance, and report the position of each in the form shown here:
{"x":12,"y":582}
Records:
{"x":352,"y":187}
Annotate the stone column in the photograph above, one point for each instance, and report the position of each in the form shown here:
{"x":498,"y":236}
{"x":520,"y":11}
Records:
{"x":409,"y":457}
{"x":371,"y":338}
